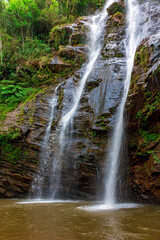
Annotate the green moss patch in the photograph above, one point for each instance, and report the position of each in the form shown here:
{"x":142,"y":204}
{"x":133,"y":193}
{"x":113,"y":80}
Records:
{"x":60,"y":36}
{"x":11,"y":95}
{"x":10,"y":151}
{"x":116,"y":7}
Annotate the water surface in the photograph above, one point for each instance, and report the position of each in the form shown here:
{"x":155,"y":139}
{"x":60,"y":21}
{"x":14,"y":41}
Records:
{"x":74,"y":221}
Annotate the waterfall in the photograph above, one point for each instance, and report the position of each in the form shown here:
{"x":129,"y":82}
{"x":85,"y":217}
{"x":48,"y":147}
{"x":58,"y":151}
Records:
{"x":38,"y":183}
{"x":96,"y":26}
{"x":133,"y":38}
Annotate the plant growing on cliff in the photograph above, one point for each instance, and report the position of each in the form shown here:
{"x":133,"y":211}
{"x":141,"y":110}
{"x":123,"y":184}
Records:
{"x":59,"y":36}
{"x":149,"y":136}
{"x":116,"y":7}
{"x":152,"y":105}
{"x":11,"y":95}
{"x":8,"y":149}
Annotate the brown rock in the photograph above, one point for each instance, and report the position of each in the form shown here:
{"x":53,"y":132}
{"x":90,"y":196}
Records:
{"x":2,"y":191}
{"x":57,"y":65}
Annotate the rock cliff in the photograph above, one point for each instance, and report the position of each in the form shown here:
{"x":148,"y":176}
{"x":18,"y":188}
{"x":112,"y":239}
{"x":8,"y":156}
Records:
{"x":143,"y":116}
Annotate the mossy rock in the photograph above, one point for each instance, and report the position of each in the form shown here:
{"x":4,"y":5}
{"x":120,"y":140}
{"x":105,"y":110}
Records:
{"x":58,"y":65}
{"x":116,"y":7}
{"x":142,"y":57}
{"x":78,"y":38}
{"x":60,"y":35}
{"x":71,"y":53}
{"x":118,"y":18}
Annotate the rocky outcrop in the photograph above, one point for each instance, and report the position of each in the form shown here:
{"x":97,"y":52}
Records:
{"x":73,"y":34}
{"x":60,"y":35}
{"x":76,"y":53}
{"x":57,"y":65}
{"x":78,"y":35}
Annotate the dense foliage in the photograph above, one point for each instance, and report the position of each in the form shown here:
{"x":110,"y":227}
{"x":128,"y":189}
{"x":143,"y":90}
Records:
{"x":25,"y":27}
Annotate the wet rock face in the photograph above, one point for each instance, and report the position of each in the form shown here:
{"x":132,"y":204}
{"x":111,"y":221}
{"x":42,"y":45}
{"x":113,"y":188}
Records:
{"x":22,"y":133}
{"x":143,"y":115}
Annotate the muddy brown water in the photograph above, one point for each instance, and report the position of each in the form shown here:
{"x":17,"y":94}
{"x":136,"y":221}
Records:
{"x":71,"y":221}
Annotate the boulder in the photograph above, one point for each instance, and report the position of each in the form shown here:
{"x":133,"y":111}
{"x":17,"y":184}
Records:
{"x":57,"y":65}
{"x":76,"y":53}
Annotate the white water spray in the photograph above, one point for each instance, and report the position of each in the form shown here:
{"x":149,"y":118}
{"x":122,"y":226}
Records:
{"x":134,"y":36}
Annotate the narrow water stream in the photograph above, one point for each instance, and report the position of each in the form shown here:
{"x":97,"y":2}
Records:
{"x":134,"y":34}
{"x":66,"y":221}
{"x":38,"y":182}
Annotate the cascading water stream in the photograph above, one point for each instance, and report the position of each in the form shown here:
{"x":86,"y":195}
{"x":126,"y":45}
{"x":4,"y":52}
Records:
{"x":96,"y":26}
{"x":38,"y":182}
{"x":133,"y":38}
{"x":70,"y":39}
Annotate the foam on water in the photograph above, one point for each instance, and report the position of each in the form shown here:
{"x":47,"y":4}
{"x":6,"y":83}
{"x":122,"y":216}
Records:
{"x":102,"y":207}
{"x":41,"y":201}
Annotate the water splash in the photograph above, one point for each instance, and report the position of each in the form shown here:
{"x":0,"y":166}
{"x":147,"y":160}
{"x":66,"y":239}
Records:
{"x":133,"y":38}
{"x":103,"y":207}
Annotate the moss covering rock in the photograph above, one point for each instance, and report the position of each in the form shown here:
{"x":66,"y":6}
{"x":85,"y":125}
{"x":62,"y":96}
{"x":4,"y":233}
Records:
{"x":60,"y":36}
{"x":116,"y":7}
